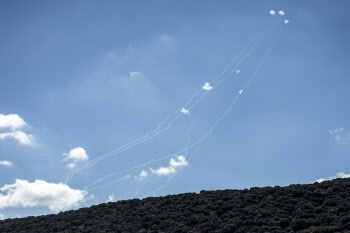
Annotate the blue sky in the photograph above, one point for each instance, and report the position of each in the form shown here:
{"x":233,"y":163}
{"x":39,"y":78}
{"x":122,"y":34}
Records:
{"x":97,"y":75}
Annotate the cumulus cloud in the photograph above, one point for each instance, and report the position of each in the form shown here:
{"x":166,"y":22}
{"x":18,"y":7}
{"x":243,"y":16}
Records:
{"x":286,"y":21}
{"x":163,"y":171}
{"x":20,"y":136}
{"x":6,"y":163}
{"x":272,"y":12}
{"x":11,"y":121}
{"x":134,"y":74}
{"x":179,"y":161}
{"x":70,"y":165}
{"x":207,"y":86}
{"x":185,"y":111}
{"x":143,"y":175}
{"x":338,"y":175}
{"x":238,"y":71}
{"x":56,"y":197}
{"x":77,"y":154}
{"x":281,"y":12}
{"x":111,"y":198}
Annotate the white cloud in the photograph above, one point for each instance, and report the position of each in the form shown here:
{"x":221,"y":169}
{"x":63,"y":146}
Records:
{"x":70,"y":165}
{"x":207,"y":86}
{"x":56,"y":197}
{"x":281,"y":12}
{"x":111,"y":198}
{"x":272,"y":12}
{"x":286,"y":21}
{"x":238,"y":71}
{"x":11,"y":121}
{"x":179,"y":161}
{"x":134,"y":74}
{"x":143,"y":175}
{"x":240,"y":92}
{"x":6,"y":163}
{"x":2,"y":216}
{"x":20,"y":136}
{"x":185,"y":111}
{"x":338,"y":175}
{"x":163,"y":171}
{"x":77,"y":154}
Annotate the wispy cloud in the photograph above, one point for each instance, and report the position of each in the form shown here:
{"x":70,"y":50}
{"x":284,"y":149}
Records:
{"x":143,"y":175}
{"x":20,"y":136}
{"x":70,"y":165}
{"x":2,"y":216}
{"x":111,"y":198}
{"x":337,"y":133}
{"x":56,"y":197}
{"x":338,"y":175}
{"x":178,"y":162}
{"x":77,"y":154}
{"x":6,"y":163}
{"x":135,"y":74}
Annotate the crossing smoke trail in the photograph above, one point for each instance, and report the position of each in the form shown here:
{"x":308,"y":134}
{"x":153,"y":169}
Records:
{"x":137,"y":141}
{"x":144,"y":138}
{"x":228,"y":73}
{"x":201,"y":140}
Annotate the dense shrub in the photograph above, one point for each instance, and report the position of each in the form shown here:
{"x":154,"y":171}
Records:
{"x":320,"y":207}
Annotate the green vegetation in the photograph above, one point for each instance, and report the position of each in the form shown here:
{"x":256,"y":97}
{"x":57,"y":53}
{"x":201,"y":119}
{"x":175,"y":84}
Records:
{"x":319,"y":207}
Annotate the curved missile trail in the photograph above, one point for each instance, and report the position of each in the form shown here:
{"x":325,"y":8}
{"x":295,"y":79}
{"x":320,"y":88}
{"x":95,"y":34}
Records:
{"x":245,"y":56}
{"x":142,"y":139}
{"x":198,"y":141}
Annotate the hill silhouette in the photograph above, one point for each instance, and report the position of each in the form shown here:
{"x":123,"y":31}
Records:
{"x":318,"y":207}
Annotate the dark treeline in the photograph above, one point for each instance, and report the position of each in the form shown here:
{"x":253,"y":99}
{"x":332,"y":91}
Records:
{"x":319,"y":207}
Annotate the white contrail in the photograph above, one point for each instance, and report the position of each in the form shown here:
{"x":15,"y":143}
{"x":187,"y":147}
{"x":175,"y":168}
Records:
{"x":198,"y":141}
{"x":125,"y":148}
{"x":142,"y":139}
{"x":149,"y":162}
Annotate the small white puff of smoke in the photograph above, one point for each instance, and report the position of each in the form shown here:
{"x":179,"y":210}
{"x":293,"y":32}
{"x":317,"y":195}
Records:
{"x":281,"y":12}
{"x":207,"y":86}
{"x":238,"y":71}
{"x":272,"y":12}
{"x":286,"y":21}
{"x":185,"y":111}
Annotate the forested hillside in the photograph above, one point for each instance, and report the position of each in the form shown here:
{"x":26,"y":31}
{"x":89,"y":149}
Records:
{"x":318,"y":207}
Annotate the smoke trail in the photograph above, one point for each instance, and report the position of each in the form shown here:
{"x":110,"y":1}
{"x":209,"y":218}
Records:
{"x":142,"y":139}
{"x":201,"y":140}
